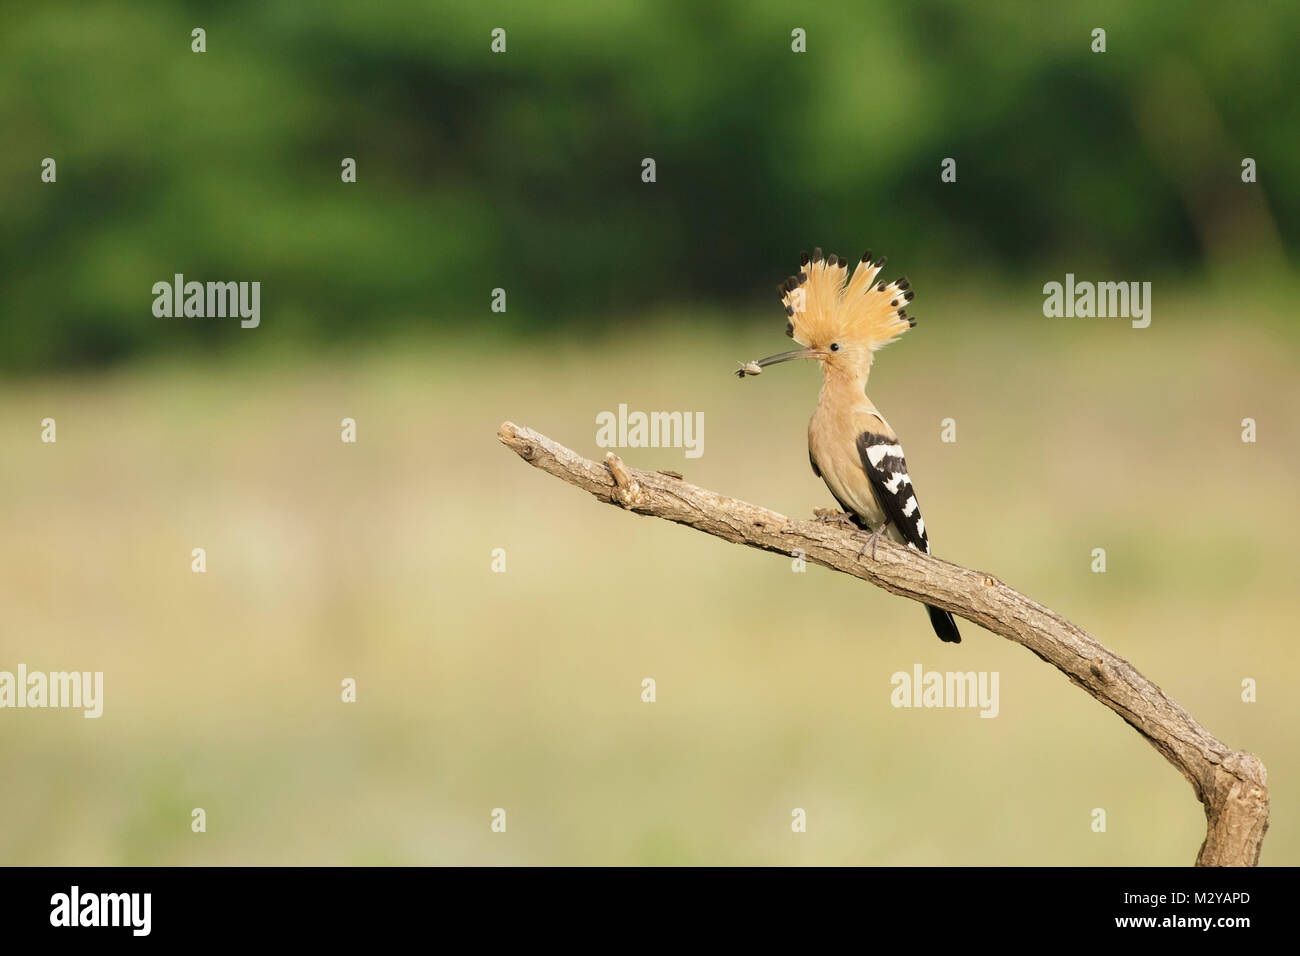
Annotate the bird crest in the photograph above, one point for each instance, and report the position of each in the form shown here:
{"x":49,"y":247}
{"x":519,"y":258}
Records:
{"x":823,"y":304}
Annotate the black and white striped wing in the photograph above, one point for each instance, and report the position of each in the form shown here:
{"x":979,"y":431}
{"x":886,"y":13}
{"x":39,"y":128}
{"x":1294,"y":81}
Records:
{"x":882,"y":457}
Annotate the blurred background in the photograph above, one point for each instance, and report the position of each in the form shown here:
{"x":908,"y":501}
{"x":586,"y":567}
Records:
{"x":522,"y":171}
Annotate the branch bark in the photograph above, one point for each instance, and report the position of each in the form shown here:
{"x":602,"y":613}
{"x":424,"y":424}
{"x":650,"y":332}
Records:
{"x":1231,"y":784}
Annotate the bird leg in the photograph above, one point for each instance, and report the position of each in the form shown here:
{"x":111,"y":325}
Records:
{"x":871,"y":539}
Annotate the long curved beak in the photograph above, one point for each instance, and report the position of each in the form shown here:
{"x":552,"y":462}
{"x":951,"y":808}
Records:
{"x":756,"y":368}
{"x":787,"y":357}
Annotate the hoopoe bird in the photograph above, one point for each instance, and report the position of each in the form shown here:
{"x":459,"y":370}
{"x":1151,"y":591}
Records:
{"x":841,"y":322}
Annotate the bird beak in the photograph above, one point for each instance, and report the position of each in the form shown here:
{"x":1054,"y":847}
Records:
{"x":756,"y":368}
{"x":788,"y":356}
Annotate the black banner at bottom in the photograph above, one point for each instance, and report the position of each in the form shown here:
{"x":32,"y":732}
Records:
{"x":215,"y":905}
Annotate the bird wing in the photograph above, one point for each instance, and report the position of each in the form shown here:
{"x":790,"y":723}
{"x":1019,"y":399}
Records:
{"x":882,"y":457}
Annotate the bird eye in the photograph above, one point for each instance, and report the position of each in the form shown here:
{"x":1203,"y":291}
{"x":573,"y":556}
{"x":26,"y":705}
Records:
{"x":835,"y":346}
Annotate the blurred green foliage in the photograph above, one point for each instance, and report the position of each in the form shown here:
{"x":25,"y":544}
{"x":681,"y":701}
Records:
{"x":522,"y":170}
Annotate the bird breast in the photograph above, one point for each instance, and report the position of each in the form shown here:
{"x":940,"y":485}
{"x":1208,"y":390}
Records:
{"x":832,"y":443}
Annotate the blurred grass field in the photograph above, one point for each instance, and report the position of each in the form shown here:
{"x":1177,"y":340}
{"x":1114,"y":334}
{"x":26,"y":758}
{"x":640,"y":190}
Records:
{"x":522,"y":690}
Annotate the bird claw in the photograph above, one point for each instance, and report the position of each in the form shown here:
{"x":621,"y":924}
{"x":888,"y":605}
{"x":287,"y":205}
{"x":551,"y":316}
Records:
{"x":842,"y":518}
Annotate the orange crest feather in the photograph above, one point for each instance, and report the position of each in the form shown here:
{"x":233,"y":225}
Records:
{"x":823,"y":304}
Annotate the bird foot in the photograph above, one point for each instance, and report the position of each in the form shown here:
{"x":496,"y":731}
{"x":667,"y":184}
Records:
{"x":870,"y":540}
{"x":842,"y":518}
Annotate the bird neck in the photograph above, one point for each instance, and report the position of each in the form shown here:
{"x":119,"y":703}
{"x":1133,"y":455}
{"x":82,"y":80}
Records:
{"x":845,"y":388}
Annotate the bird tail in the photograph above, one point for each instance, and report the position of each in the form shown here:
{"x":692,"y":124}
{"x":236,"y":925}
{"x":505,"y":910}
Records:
{"x":944,"y":625}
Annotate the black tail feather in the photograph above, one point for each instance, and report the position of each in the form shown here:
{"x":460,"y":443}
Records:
{"x":944,"y":625}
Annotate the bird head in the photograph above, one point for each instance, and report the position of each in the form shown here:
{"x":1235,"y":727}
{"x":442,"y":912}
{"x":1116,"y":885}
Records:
{"x":840,"y":320}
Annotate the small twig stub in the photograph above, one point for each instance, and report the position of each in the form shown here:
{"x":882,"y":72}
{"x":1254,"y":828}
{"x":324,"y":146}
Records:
{"x":627,"y":490}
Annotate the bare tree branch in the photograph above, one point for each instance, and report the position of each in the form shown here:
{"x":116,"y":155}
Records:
{"x":1232,"y":784}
